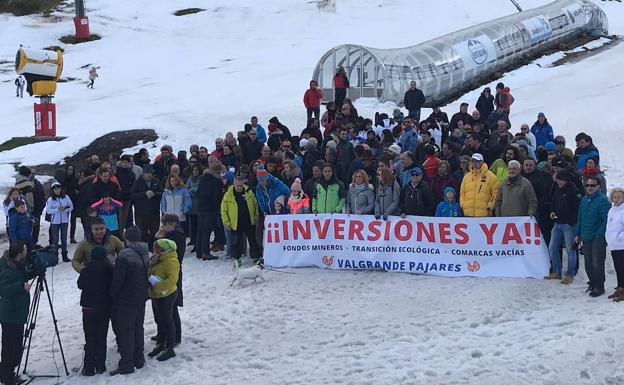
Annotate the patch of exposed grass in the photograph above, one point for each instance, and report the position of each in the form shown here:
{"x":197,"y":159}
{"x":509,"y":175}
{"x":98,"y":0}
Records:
{"x":28,"y":7}
{"x":188,"y":11}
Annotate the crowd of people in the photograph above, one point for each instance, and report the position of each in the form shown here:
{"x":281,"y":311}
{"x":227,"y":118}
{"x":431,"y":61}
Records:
{"x":474,"y":164}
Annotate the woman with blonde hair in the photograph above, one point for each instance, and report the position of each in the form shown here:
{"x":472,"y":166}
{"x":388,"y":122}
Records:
{"x":176,"y":199}
{"x":387,"y":194}
{"x":360,"y":198}
{"x":615,"y":239}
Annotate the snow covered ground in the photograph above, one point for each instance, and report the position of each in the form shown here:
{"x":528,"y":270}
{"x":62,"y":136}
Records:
{"x":193,"y":78}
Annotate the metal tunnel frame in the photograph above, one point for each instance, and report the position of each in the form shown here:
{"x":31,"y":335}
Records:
{"x":447,"y":65}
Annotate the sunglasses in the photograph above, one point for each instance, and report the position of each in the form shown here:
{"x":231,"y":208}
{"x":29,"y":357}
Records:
{"x":590,"y":185}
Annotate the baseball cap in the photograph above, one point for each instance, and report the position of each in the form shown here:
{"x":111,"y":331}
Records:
{"x":416,"y":171}
{"x":477,"y":156}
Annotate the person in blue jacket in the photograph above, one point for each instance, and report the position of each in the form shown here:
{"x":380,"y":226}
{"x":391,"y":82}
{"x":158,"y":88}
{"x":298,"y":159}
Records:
{"x":262,"y":136}
{"x":542,"y":130}
{"x":20,"y":224}
{"x":449,"y":207}
{"x":410,"y":138}
{"x":268,"y":189}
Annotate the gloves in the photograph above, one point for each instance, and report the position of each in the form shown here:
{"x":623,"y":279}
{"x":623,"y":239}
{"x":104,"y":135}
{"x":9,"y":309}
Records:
{"x":377,"y":216}
{"x":150,"y":194}
{"x":385,"y":217}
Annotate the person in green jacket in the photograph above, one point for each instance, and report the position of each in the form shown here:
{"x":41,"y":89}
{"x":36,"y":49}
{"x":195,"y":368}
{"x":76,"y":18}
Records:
{"x":239,"y":212}
{"x":329,"y":193}
{"x":591,"y":226}
{"x":163,"y":277}
{"x":500,"y":167}
{"x":14,"y":305}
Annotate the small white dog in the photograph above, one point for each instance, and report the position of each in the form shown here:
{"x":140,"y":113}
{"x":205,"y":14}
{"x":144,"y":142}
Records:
{"x":252,"y":273}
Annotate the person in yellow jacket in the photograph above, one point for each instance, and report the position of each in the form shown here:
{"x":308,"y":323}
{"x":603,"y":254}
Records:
{"x":479,"y":189}
{"x":163,"y":278}
{"x":238,"y":224}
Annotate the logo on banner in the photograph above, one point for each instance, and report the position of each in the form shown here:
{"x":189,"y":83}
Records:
{"x":327,"y":261}
{"x":473,"y":266}
{"x":478,"y":52}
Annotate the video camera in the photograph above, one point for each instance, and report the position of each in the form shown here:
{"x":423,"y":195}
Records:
{"x":42,"y":258}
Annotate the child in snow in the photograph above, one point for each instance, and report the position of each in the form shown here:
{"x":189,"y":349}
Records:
{"x":280,"y":207}
{"x":95,"y":282}
{"x":20,"y":224}
{"x":92,"y":75}
{"x":298,"y":202}
{"x":59,"y":208}
{"x":9,"y":203}
{"x":449,"y":206}
{"x":108,"y":209}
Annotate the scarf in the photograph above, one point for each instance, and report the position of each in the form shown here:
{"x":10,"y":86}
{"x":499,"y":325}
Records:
{"x":588,"y":173}
{"x":360,"y":187}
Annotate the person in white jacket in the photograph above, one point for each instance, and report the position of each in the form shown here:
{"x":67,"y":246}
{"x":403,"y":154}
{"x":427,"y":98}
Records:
{"x":58,"y":210}
{"x":615,"y":239}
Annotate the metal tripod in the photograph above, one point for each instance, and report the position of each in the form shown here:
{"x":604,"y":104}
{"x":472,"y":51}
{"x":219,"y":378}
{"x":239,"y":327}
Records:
{"x":31,"y":323}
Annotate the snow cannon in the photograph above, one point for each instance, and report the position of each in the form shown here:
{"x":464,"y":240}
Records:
{"x":41,"y":69}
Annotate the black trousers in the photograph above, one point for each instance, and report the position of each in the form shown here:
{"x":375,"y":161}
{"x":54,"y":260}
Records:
{"x":148,"y":224}
{"x":72,"y":225}
{"x":206,"y":224}
{"x":315,"y":111}
{"x":12,"y":338}
{"x":415,"y":115}
{"x":35,"y":229}
{"x":163,"y":309}
{"x":128,"y":327}
{"x":238,"y":240}
{"x":95,"y":325}
{"x":341,"y":94}
{"x":618,"y":263}
{"x":193,"y":227}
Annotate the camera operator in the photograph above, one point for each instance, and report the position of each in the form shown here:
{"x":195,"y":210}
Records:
{"x":14,"y":305}
{"x":97,"y":235}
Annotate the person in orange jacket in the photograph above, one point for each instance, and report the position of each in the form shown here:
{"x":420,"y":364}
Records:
{"x":298,"y":202}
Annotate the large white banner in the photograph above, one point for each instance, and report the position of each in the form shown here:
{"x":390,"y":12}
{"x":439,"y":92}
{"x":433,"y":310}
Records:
{"x":450,"y":247}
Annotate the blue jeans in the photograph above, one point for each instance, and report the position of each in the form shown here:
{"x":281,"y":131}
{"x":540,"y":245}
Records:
{"x":59,"y":231}
{"x":566,"y":232}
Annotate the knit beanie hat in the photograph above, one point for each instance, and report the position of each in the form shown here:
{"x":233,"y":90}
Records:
{"x":98,"y":253}
{"x":229,"y":177}
{"x":303,"y":142}
{"x":550,"y":146}
{"x":166,"y":244}
{"x":280,"y":199}
{"x":261,"y":173}
{"x":296,"y":186}
{"x":133,"y":234}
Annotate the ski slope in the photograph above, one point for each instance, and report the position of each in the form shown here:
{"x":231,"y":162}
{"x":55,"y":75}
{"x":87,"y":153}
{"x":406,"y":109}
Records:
{"x":195,"y":77}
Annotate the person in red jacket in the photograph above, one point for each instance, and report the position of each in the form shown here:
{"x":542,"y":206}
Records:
{"x":341,"y":83}
{"x":312,"y":100}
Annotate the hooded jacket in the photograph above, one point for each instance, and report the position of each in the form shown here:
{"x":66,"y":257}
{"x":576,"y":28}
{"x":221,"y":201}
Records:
{"x":266,"y":195}
{"x":167,"y":269}
{"x":543,"y":133}
{"x":300,"y":206}
{"x":95,"y":281}
{"x":82,"y":255}
{"x":615,"y":228}
{"x":20,"y":226}
{"x":312,"y":98}
{"x":129,"y":285}
{"x":448,"y":208}
{"x":14,"y":300}
{"x":478,"y":192}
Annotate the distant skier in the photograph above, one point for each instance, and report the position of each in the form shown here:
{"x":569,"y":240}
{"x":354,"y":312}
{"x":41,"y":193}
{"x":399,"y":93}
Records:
{"x":19,"y":86}
{"x":92,"y":75}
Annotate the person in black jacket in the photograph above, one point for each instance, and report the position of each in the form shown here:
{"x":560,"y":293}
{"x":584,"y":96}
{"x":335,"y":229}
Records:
{"x":416,"y":196}
{"x":564,"y":207}
{"x":129,"y":292}
{"x":413,"y":101}
{"x":252,"y":149}
{"x":14,"y":305}
{"x":95,"y":281}
{"x":126,"y":179}
{"x":146,"y":194}
{"x":542,"y":186}
{"x":163,"y":162}
{"x":462,"y":115}
{"x":485,"y":103}
{"x":208,"y":197}
{"x":170,"y":229}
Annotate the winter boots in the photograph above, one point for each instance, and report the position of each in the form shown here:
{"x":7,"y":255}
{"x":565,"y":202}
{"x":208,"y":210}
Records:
{"x":553,"y":276}
{"x":166,"y":354}
{"x":157,"y":350}
{"x":567,"y":280}
{"x":618,"y":295}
